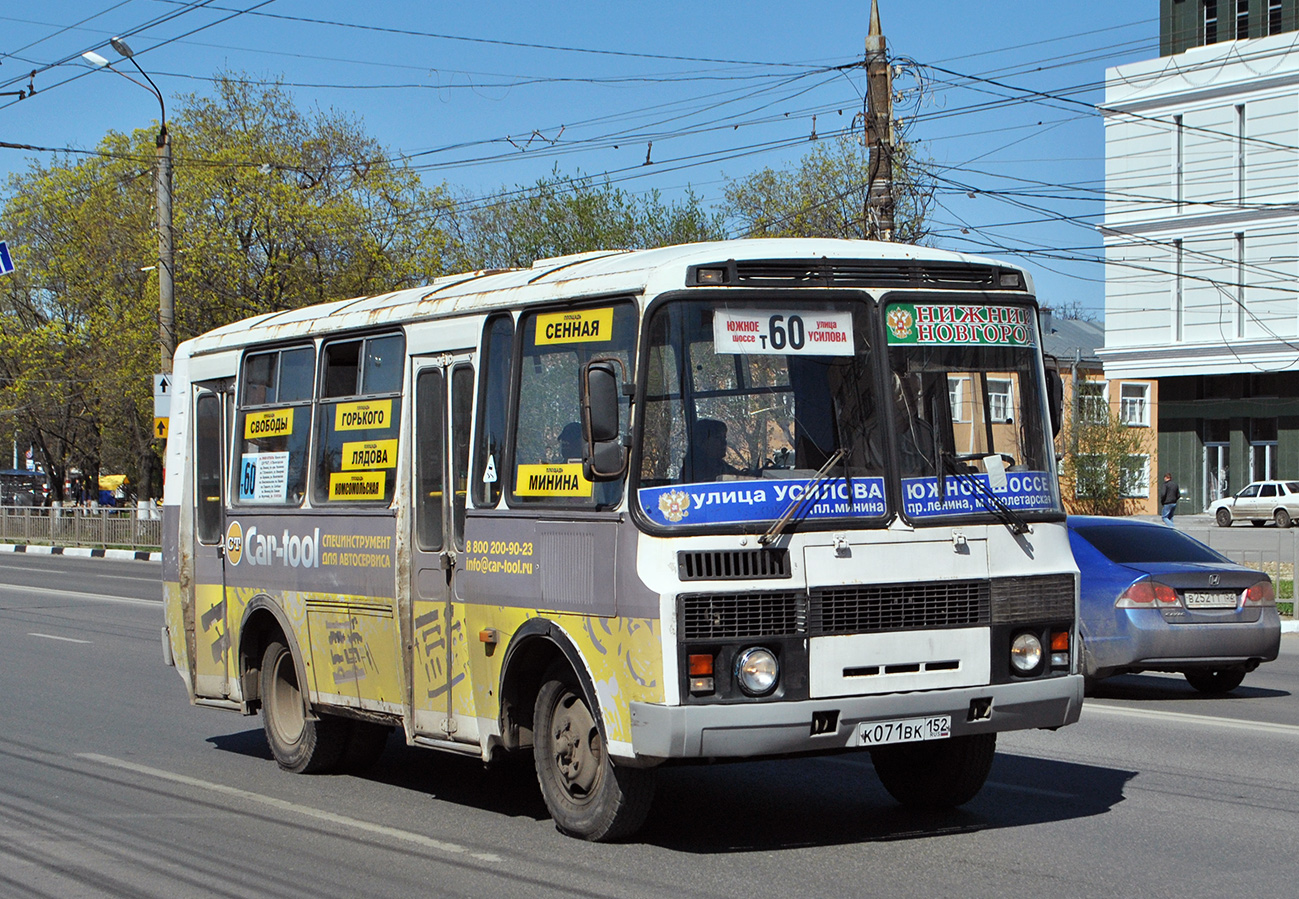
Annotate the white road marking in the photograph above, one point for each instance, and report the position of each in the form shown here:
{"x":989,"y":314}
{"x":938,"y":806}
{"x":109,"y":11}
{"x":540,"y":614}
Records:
{"x":293,"y":807}
{"x":73,"y":594}
{"x":1285,"y":730}
{"x":64,"y":639}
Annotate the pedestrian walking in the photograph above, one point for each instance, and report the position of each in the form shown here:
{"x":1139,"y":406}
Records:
{"x":1168,"y":496}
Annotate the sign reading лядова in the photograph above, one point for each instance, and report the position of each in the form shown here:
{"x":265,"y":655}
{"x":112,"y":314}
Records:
{"x":953,"y":324}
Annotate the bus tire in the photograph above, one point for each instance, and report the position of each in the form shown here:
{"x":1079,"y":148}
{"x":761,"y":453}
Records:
{"x":298,"y":744}
{"x":587,"y":795}
{"x":936,"y":774}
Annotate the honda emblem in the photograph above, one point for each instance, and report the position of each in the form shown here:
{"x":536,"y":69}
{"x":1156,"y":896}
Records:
{"x":1215,"y":580}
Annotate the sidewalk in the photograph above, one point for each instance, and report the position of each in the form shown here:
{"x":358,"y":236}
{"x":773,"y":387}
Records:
{"x":83,"y":552}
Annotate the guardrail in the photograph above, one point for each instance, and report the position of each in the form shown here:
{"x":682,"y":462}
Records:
{"x":1273,"y":550}
{"x":105,"y":528}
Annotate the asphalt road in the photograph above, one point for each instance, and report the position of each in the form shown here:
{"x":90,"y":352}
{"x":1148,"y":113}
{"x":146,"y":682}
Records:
{"x":112,"y":785}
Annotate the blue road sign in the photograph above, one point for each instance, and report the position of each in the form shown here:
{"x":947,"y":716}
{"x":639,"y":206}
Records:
{"x":6,"y":264}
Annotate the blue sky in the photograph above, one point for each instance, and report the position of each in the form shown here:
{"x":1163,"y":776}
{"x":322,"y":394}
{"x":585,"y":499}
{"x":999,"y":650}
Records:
{"x":498,"y":92}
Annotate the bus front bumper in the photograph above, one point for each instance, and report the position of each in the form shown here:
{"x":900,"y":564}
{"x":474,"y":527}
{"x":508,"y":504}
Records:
{"x":747,"y":730}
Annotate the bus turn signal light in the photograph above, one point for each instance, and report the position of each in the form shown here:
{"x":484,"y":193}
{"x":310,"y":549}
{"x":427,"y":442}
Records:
{"x":701,"y":664}
{"x":701,"y":673}
{"x":1059,"y":649}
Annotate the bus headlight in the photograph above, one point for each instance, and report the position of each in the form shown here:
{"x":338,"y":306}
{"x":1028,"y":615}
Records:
{"x":757,"y":670}
{"x":1026,"y":653}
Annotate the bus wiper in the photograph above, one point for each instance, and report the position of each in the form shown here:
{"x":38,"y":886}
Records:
{"x":804,"y":501}
{"x":1003,"y":513}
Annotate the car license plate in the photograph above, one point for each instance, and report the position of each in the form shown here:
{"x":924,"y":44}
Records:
{"x":1209,"y":600}
{"x":909,"y":730}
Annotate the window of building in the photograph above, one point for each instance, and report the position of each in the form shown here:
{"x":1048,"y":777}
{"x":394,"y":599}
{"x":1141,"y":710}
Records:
{"x":360,"y":409}
{"x":1240,"y":284}
{"x":1093,"y":402}
{"x":1262,"y":449}
{"x":1000,"y":402}
{"x":1274,"y":17}
{"x":1242,"y":19}
{"x":274,"y":426}
{"x":1210,"y":21}
{"x":1134,"y":406}
{"x":1178,"y":298}
{"x":956,"y":388}
{"x":1134,"y":477}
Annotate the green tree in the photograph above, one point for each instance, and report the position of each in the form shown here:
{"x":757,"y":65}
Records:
{"x":1106,"y":463}
{"x":274,"y":209}
{"x":563,"y":214}
{"x":823,"y":194}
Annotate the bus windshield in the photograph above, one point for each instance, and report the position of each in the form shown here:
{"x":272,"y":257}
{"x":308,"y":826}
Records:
{"x":969,"y":410}
{"x":749,"y":408}
{"x":745,"y":405}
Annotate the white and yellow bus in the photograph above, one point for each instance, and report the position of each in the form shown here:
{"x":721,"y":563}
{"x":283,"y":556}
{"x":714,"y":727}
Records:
{"x":709,"y":502}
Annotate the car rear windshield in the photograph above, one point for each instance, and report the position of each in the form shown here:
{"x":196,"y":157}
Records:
{"x":1126,"y":544}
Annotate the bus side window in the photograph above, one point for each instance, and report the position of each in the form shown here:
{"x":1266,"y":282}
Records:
{"x":360,"y":409}
{"x":207,"y":468}
{"x":274,"y":426}
{"x":493,"y":400}
{"x":462,"y":404}
{"x":430,"y":441}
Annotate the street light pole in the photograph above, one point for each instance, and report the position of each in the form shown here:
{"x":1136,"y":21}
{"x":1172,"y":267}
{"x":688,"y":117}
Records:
{"x":162,"y":192}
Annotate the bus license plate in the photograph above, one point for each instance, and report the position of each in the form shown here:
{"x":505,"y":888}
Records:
{"x":910,"y":730}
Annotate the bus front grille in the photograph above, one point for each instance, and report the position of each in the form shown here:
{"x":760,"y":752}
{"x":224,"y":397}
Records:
{"x":875,"y":608}
{"x":732,"y":564}
{"x":717,"y":616}
{"x":1016,"y":599}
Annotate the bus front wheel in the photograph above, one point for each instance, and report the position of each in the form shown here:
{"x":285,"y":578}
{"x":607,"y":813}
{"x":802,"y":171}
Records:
{"x":587,"y":795}
{"x":298,"y":743}
{"x":936,"y":773}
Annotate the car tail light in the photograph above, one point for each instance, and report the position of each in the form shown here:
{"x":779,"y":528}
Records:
{"x":1146,"y":594}
{"x":1261,"y":594}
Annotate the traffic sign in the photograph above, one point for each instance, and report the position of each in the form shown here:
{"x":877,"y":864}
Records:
{"x":6,"y":263}
{"x":161,"y":397}
{"x":160,"y":428}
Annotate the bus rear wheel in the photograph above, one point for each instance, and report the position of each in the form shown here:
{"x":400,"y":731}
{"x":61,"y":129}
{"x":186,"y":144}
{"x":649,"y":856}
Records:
{"x":299,"y":744}
{"x":587,"y":795}
{"x":936,"y":773}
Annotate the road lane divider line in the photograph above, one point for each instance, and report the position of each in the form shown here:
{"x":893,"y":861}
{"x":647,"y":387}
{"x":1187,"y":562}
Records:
{"x":74,"y":594}
{"x":1285,"y":730}
{"x":292,"y":807}
{"x":64,"y":639}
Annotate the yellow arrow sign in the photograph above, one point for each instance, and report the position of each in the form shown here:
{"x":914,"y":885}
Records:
{"x":160,"y":428}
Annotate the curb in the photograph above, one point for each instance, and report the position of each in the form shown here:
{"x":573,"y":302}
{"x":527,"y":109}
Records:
{"x":83,"y":552}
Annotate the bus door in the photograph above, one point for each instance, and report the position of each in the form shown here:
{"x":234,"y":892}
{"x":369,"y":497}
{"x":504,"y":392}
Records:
{"x":443,"y":403}
{"x":213,"y":662}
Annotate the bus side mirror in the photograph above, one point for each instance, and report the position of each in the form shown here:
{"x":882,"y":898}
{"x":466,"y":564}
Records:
{"x":605,"y":458}
{"x":1055,"y":399}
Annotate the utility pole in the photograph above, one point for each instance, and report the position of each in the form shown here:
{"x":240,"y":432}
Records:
{"x":162,"y":193}
{"x":166,"y":259}
{"x":879,"y":133}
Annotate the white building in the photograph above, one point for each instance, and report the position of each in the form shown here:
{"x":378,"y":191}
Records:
{"x":1201,"y":235}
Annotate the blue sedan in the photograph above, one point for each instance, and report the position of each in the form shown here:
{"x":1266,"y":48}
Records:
{"x":1154,"y":599}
